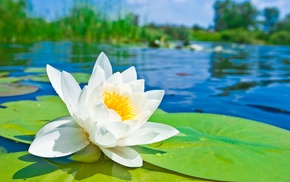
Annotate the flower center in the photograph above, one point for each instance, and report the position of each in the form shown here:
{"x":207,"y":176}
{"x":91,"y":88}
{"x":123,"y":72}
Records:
{"x":122,"y":105}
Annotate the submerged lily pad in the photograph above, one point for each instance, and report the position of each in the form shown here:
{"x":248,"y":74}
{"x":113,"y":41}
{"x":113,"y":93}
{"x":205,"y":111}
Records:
{"x":23,"y":166}
{"x":14,"y":89}
{"x":2,"y":150}
{"x":222,"y":148}
{"x":21,"y":120}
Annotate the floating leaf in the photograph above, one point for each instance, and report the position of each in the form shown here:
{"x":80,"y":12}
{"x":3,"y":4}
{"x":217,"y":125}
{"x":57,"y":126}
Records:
{"x":222,"y":148}
{"x":9,"y":79}
{"x":2,"y":74}
{"x":35,"y":70}
{"x":14,"y":89}
{"x":80,"y":77}
{"x":23,"y":166}
{"x":39,"y":78}
{"x":21,"y":120}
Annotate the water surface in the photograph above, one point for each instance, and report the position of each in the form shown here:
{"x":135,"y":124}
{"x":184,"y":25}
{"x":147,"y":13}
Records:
{"x":247,"y":81}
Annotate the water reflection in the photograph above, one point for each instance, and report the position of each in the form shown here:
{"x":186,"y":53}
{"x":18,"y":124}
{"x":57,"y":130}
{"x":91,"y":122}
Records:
{"x":241,"y":80}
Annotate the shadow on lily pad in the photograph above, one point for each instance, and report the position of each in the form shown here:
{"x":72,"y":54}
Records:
{"x":55,"y":169}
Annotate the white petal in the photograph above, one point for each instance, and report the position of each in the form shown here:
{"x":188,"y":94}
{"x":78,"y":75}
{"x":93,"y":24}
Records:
{"x":105,"y":64}
{"x":139,"y":120}
{"x":129,"y":75}
{"x":118,"y":129}
{"x":155,"y":94}
{"x":125,"y":90}
{"x":82,"y":112}
{"x":116,"y":78}
{"x":55,"y":78}
{"x":137,"y":85}
{"x":101,"y":136}
{"x":66,"y":121}
{"x":114,"y":116}
{"x":164,"y":131}
{"x":60,"y":142}
{"x":139,"y":101}
{"x":138,"y":137}
{"x":154,"y":98}
{"x":94,"y":97}
{"x":97,"y":77}
{"x":100,"y":114}
{"x":124,"y":155}
{"x":111,"y":88}
{"x":152,"y":105}
{"x":71,"y":91}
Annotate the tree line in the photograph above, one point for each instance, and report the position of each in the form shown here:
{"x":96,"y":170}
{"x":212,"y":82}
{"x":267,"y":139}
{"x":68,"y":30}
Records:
{"x":237,"y":20}
{"x":233,"y":22}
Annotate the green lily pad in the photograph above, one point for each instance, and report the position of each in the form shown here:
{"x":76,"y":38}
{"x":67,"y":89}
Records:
{"x":9,"y":79}
{"x":2,"y":74}
{"x":80,"y":77}
{"x":221,"y":148}
{"x":209,"y":146}
{"x":35,"y":70}
{"x":14,"y":89}
{"x":23,"y":166}
{"x":21,"y":120}
{"x":39,"y":78}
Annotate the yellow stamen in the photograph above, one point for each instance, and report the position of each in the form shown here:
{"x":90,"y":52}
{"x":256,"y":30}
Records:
{"x":122,"y":105}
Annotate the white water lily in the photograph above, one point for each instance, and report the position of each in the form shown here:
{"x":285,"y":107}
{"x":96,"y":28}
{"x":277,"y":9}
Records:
{"x":111,"y":112}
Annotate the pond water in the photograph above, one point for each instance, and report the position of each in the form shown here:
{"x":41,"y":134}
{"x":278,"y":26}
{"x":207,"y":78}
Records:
{"x":247,"y":81}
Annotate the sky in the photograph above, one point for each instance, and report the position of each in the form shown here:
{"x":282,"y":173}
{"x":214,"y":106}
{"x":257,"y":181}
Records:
{"x":178,"y":12}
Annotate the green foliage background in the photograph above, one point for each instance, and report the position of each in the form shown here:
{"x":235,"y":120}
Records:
{"x":233,"y":22}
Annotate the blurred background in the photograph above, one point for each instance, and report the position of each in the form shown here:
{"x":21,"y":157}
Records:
{"x":135,"y":21}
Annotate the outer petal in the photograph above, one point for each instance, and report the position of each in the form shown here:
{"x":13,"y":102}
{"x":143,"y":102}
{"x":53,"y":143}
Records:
{"x":66,"y":121}
{"x":71,"y":92}
{"x":124,"y":155}
{"x":59,"y":142}
{"x":137,"y":85}
{"x":104,"y":63}
{"x":154,"y":98}
{"x":82,"y":112}
{"x":129,"y":75}
{"x":155,"y":94}
{"x":164,"y":131}
{"x":55,"y":78}
{"x":152,"y":105}
{"x":138,"y":137}
{"x":148,"y":133}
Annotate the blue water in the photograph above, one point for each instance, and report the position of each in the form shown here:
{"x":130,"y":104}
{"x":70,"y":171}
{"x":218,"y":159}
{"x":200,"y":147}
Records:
{"x":247,"y":81}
